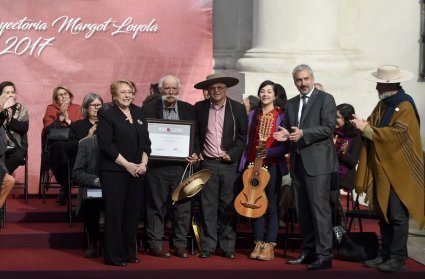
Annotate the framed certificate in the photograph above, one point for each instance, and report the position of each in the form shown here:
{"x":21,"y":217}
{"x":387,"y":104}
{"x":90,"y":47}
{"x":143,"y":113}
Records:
{"x":171,"y":139}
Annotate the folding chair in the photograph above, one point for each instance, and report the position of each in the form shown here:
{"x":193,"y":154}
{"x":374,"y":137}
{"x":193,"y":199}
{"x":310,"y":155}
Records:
{"x":24,"y":184}
{"x":359,"y":214}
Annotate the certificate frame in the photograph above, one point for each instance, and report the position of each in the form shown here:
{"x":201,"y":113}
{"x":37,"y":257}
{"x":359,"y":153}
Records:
{"x":171,"y":140}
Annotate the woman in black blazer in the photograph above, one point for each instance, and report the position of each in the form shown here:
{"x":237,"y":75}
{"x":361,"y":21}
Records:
{"x":124,"y":147}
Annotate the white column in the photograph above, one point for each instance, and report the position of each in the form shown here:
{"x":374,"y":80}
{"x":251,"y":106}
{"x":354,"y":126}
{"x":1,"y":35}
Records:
{"x":290,"y":32}
{"x":232,"y":25}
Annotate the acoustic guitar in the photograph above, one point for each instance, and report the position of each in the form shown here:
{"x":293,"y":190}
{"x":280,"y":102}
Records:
{"x":252,"y":200}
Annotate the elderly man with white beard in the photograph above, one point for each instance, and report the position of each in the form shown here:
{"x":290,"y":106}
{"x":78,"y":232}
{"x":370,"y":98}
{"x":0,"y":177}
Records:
{"x":391,"y":166}
{"x":163,"y":177}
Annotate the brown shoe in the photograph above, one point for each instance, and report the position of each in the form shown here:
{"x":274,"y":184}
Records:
{"x":257,"y":250}
{"x":182,"y":252}
{"x":159,"y":252}
{"x":267,"y":253}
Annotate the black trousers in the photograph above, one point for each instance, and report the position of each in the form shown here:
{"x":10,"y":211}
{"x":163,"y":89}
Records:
{"x":14,"y":158}
{"x":91,"y":215}
{"x":121,"y":196}
{"x":394,"y":234}
{"x":314,"y":211}
{"x":217,"y":207}
{"x":161,"y":183}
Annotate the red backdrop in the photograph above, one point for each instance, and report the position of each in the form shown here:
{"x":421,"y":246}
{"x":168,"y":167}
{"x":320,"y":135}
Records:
{"x":86,"y":44}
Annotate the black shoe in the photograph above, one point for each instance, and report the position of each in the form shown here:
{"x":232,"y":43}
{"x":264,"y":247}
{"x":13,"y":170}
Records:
{"x":159,"y":252}
{"x":134,"y":260}
{"x":392,"y":265}
{"x":320,"y":264}
{"x":229,"y":255}
{"x":122,"y":264}
{"x":60,"y":199}
{"x":91,"y":252}
{"x":374,"y":262}
{"x":182,"y":252}
{"x":205,"y":255}
{"x":303,"y":259}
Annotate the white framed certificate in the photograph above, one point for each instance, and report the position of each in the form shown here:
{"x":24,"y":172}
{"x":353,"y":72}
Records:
{"x":171,"y":139}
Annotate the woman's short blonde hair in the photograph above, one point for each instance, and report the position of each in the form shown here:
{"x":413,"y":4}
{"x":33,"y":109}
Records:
{"x":116,"y":85}
{"x":55,"y":94}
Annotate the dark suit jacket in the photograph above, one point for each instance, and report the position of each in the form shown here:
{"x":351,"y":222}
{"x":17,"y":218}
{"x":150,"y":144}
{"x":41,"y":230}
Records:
{"x":317,"y":123}
{"x":85,"y":167}
{"x":234,"y":127}
{"x":155,"y":110}
{"x":117,"y":136}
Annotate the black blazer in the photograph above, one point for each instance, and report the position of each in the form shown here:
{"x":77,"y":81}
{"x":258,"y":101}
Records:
{"x":317,"y":123}
{"x":85,"y":167}
{"x":234,"y":127}
{"x":155,"y":110}
{"x":116,"y":136}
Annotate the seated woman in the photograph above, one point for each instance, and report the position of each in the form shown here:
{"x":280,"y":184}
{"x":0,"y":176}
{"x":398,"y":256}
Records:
{"x":348,"y":143}
{"x":7,"y":181}
{"x":60,"y":114}
{"x":86,"y":127}
{"x":84,"y":173}
{"x":16,"y":128}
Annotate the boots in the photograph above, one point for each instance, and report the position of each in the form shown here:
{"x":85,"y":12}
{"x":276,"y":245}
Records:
{"x":267,"y":253}
{"x":257,"y":250}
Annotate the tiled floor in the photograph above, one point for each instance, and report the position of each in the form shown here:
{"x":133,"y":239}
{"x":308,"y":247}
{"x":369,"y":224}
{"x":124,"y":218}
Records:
{"x":416,"y":242}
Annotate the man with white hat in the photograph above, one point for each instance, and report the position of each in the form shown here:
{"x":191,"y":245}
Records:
{"x":391,"y":166}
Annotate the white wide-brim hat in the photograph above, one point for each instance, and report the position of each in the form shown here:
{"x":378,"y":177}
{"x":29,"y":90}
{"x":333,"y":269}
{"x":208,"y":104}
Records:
{"x":191,"y":185}
{"x":389,"y":74}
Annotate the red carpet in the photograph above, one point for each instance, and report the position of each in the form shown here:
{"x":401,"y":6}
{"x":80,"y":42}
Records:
{"x":37,"y":242}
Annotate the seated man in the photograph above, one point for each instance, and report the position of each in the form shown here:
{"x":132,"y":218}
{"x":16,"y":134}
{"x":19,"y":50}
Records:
{"x":84,"y":174}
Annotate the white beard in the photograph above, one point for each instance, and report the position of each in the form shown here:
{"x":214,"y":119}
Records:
{"x":385,"y":95}
{"x":164,"y":97}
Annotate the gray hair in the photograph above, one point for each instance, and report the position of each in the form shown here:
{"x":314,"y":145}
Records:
{"x":88,"y":99}
{"x":161,"y":81}
{"x":300,"y":68}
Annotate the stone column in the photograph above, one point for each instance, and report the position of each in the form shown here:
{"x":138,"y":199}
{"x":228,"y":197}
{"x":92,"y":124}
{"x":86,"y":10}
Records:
{"x":290,"y":32}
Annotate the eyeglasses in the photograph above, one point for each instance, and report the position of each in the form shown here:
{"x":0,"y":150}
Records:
{"x":216,"y":88}
{"x":95,"y":105}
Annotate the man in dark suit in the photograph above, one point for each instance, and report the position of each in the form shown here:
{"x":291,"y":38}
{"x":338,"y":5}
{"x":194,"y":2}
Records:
{"x":309,"y":123}
{"x":85,"y":174}
{"x":163,"y":177}
{"x":222,"y":128}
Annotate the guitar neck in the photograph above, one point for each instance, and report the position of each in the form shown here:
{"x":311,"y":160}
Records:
{"x":258,"y":164}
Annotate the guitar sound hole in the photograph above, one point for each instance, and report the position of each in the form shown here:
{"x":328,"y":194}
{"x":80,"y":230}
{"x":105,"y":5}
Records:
{"x":255,"y":182}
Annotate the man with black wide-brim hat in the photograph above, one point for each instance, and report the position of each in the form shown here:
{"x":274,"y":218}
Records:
{"x":222,"y":128}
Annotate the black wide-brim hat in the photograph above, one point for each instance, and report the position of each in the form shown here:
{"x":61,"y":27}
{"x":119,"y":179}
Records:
{"x":216,"y":78}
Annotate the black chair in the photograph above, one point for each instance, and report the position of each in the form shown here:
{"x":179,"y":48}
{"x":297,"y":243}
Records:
{"x":3,"y":216}
{"x":47,"y":181}
{"x":359,"y":214}
{"x":290,"y":220}
{"x":24,"y":184}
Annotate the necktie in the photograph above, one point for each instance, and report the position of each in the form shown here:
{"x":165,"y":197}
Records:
{"x":304,"y":100}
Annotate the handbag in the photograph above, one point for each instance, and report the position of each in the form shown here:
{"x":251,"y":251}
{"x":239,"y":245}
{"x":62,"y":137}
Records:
{"x":358,"y":246}
{"x":56,"y":133}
